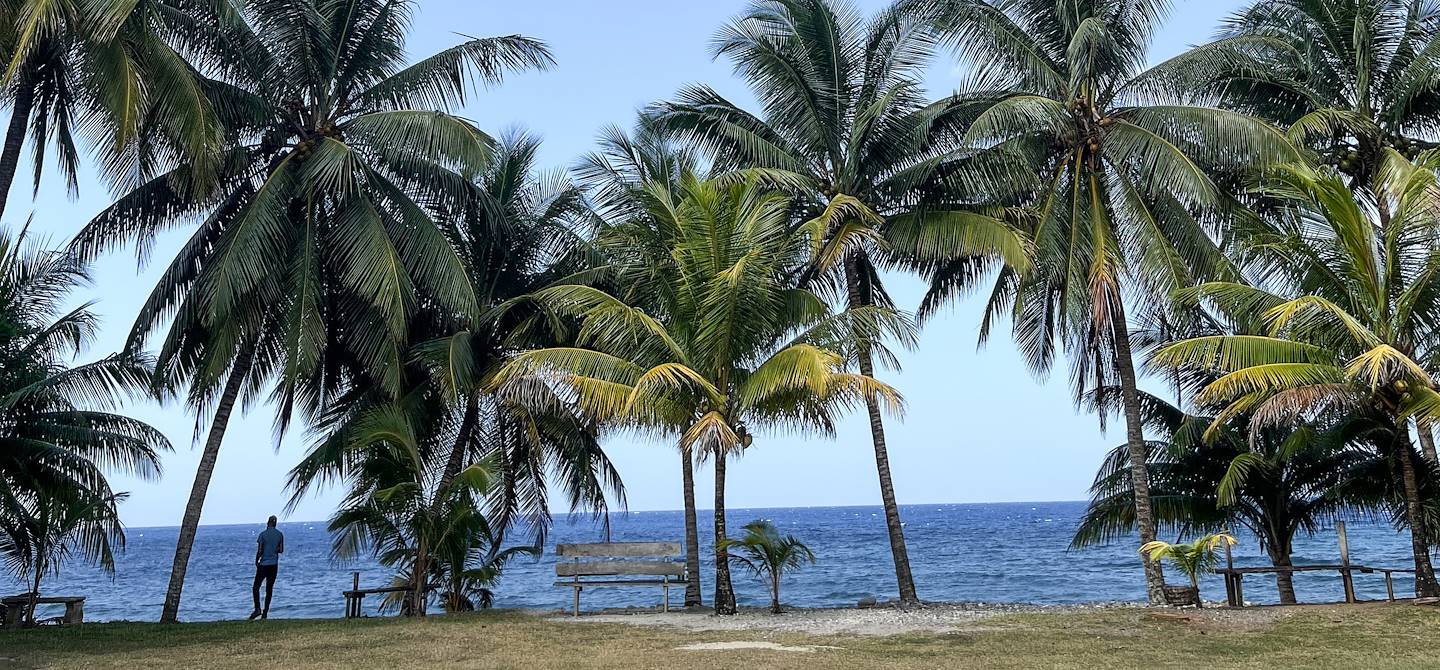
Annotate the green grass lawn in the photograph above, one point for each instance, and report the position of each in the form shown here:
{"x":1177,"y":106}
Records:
{"x":1372,"y":636}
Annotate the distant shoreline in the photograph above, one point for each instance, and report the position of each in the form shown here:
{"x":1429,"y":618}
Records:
{"x":557,"y":514}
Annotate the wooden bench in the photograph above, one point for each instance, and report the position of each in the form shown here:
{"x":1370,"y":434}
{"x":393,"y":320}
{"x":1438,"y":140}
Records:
{"x":620,"y":559}
{"x":355,"y":597}
{"x":17,"y":606}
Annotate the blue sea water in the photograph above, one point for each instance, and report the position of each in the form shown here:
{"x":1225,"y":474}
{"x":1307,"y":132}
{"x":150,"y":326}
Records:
{"x":1003,"y":552}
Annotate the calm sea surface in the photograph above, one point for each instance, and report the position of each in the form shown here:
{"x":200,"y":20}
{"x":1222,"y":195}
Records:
{"x":1010,"y":552}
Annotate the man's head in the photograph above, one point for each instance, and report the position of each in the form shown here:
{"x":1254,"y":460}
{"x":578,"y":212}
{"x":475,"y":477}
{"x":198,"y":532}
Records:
{"x":271,"y":523}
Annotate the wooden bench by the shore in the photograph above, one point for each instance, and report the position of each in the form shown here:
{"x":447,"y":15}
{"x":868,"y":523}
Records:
{"x":16,"y":607}
{"x":632,"y":562}
{"x":355,"y":597}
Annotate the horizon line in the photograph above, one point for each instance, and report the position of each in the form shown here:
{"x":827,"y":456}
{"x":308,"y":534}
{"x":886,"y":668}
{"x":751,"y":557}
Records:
{"x":557,"y":514}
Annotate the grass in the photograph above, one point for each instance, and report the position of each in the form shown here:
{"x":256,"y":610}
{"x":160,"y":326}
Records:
{"x":1396,"y":636}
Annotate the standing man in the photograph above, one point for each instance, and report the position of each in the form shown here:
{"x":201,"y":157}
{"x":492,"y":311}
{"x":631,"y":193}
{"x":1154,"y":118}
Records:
{"x":269,"y":545}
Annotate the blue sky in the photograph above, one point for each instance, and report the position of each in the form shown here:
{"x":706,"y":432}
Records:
{"x":979,"y":427}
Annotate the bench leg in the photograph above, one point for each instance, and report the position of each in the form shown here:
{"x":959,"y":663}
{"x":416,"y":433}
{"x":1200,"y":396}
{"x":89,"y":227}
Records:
{"x":665,"y":606}
{"x":1389,"y":587}
{"x":577,"y":601}
{"x":75,"y":613}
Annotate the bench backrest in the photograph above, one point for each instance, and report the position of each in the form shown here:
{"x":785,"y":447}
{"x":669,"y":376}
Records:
{"x":633,"y":551}
{"x":43,"y":600}
{"x":618,"y":550}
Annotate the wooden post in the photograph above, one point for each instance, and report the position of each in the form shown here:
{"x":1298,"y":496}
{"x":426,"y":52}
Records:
{"x":1346,"y":578}
{"x":1389,"y":587}
{"x":665,"y":586}
{"x":352,"y":604}
{"x":1230,"y":596}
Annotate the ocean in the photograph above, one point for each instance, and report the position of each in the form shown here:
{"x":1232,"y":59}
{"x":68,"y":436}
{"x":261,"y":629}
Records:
{"x":1001,"y":552}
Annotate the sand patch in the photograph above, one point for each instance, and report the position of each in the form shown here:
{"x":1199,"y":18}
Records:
{"x":736,"y":645}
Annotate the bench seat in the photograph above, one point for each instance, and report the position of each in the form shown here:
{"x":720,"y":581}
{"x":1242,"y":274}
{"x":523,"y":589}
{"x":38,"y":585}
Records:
{"x":15,"y":607}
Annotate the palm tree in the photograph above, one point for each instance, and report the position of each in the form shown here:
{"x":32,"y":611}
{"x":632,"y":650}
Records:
{"x":1347,"y":79}
{"x":1127,"y":187}
{"x":60,"y":525}
{"x":320,"y":240}
{"x":518,"y":235}
{"x":769,"y":555}
{"x":724,"y":346}
{"x":614,"y":179}
{"x":1347,"y":304}
{"x":1192,"y":558}
{"x":108,"y":70}
{"x":401,"y":508}
{"x":57,"y":442}
{"x":844,"y":109}
{"x":1275,"y":482}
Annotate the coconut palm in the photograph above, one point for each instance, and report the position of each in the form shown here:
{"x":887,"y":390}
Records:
{"x":725,"y":347}
{"x":320,"y":243}
{"x":59,"y":527}
{"x":768,"y":555}
{"x":518,"y":234}
{"x":843,"y":107}
{"x":58,"y":443}
{"x":1277,"y":482}
{"x":109,"y":71}
{"x":1127,"y":193}
{"x":614,"y":179}
{"x":1347,"y":79}
{"x":401,"y":508}
{"x":1347,"y":304}
{"x":1191,"y":558}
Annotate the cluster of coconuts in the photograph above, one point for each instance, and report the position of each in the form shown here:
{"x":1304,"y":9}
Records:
{"x":1346,"y":159}
{"x":1406,"y":148}
{"x":306,"y":146}
{"x":1403,"y":388}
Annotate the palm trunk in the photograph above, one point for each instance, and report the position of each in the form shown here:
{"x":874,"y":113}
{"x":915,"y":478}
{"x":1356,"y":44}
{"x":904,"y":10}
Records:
{"x":1284,"y":581}
{"x":458,"y":452}
{"x":191,"y":521}
{"x":422,"y":575}
{"x":693,"y":597}
{"x":775,"y":594}
{"x":35,"y":589}
{"x":1425,"y":586}
{"x":21,"y":106}
{"x":1427,"y":441}
{"x":1135,"y":445}
{"x":724,"y":592}
{"x":904,"y":580}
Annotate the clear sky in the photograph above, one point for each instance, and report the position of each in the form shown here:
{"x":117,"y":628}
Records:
{"x":979,"y":427}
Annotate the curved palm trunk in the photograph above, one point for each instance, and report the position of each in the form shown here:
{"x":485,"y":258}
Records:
{"x":21,"y":106}
{"x":1135,"y":445}
{"x":693,"y":597}
{"x":1425,"y":585}
{"x":456,"y":462}
{"x":190,"y":523}
{"x":904,"y":580}
{"x":724,"y":592}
